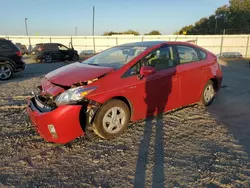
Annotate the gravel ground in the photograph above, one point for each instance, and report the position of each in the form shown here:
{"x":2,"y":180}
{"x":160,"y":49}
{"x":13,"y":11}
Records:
{"x":190,"y":147}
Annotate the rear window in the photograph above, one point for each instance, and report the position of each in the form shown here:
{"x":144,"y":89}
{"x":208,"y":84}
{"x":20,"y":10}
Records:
{"x":37,"y":47}
{"x":4,"y":46}
{"x":8,"y":45}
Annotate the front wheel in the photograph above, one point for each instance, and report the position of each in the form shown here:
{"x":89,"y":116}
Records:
{"x":112,"y":119}
{"x":208,"y":94}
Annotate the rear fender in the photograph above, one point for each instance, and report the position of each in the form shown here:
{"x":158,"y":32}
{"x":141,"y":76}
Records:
{"x":7,"y":61}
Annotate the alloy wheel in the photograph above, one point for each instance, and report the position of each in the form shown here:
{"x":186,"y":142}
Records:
{"x":114,"y":120}
{"x":5,"y":72}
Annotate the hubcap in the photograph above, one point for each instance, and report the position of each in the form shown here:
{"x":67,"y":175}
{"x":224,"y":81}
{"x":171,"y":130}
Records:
{"x":5,"y":72}
{"x":114,"y":120}
{"x":48,"y":58}
{"x":209,"y":93}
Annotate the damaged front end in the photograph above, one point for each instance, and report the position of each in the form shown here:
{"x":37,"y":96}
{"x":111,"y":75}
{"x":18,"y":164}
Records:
{"x":54,"y":109}
{"x":50,"y":96}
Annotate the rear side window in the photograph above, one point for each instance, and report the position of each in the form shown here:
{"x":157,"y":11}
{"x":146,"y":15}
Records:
{"x":51,"y":46}
{"x":202,"y":54}
{"x":187,"y":54}
{"x":4,"y":46}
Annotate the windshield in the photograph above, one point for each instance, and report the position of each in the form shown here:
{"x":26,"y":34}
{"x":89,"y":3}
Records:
{"x":115,"y":57}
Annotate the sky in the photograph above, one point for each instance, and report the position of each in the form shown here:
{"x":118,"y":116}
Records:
{"x":61,"y":17}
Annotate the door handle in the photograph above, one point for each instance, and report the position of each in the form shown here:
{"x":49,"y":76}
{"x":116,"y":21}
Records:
{"x":132,"y":87}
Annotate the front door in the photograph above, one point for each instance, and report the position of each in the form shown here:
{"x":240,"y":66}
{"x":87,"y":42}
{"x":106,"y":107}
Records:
{"x":155,"y":93}
{"x":64,"y":52}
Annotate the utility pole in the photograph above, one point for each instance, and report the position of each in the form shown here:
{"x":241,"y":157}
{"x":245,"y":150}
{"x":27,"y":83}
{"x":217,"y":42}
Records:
{"x":76,"y":31}
{"x":26,"y":27}
{"x":27,"y":34}
{"x":216,"y":24}
{"x":93,"y":28}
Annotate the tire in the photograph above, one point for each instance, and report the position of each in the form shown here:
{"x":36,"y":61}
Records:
{"x":47,"y":58}
{"x":106,"y":124}
{"x":6,"y":71}
{"x":75,"y":57}
{"x":208,"y":93}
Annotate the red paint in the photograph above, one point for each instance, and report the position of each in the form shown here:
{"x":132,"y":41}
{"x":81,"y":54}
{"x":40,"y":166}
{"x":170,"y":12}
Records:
{"x":76,"y":72}
{"x":64,"y":118}
{"x":147,"y":70}
{"x":155,"y":92}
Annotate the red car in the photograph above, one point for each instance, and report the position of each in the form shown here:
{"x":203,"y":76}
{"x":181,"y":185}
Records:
{"x":124,"y":83}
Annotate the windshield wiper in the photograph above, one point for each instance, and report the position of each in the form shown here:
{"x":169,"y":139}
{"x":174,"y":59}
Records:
{"x":92,"y":64}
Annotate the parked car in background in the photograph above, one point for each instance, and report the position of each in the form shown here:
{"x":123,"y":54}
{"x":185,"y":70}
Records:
{"x":10,"y":59}
{"x":125,"y":83}
{"x":85,"y":54}
{"x":234,"y":55}
{"x":23,"y":48}
{"x":48,"y":52}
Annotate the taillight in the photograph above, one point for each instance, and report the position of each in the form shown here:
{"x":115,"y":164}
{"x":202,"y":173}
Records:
{"x":40,"y":49}
{"x":19,"y":53}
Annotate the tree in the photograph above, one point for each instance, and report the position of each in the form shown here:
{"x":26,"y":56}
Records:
{"x":240,"y":14}
{"x":235,"y":18}
{"x":154,"y":32}
{"x":129,"y":32}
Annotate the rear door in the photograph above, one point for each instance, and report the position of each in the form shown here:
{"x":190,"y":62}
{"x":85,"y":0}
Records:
{"x":192,"y":71}
{"x":52,"y":48}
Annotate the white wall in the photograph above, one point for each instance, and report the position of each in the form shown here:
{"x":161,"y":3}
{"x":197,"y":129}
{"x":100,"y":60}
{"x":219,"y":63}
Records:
{"x":214,"y":43}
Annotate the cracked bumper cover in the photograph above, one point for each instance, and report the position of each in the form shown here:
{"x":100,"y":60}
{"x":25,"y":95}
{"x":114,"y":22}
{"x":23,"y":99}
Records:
{"x":66,"y":119}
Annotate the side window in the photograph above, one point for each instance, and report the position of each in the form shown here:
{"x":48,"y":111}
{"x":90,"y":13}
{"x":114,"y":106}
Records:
{"x":4,"y":46}
{"x":61,"y":47}
{"x":187,"y":54}
{"x":161,"y":58}
{"x":203,"y":54}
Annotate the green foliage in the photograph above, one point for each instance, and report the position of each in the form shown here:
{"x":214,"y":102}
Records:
{"x":233,"y":18}
{"x":129,"y":32}
{"x":154,"y":32}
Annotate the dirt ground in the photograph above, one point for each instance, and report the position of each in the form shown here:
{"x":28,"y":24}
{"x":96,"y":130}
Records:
{"x":190,"y":147}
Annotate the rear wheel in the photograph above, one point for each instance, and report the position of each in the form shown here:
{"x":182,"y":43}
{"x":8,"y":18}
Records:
{"x":112,"y":119}
{"x":47,"y":58}
{"x":6,"y":71}
{"x":208,"y":94}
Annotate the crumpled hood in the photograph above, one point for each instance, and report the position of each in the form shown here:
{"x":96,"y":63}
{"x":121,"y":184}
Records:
{"x":76,"y":72}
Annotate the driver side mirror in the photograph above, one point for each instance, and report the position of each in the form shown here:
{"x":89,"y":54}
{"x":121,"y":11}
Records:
{"x":146,"y":71}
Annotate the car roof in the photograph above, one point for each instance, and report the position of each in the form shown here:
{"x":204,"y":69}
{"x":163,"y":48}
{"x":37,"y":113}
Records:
{"x":144,"y":44}
{"x":3,"y":39}
{"x":153,"y":43}
{"x":47,"y":43}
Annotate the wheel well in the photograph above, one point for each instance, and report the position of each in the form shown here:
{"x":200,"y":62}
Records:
{"x":7,"y":62}
{"x":214,"y":80}
{"x":123,"y":99}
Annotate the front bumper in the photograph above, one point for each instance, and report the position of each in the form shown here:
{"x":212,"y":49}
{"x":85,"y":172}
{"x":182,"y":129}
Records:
{"x":65,"y":119}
